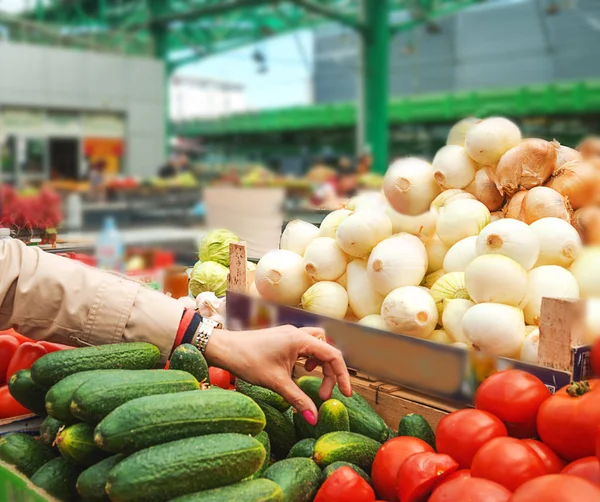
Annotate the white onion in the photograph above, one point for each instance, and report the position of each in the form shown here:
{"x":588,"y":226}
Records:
{"x":374,"y":321}
{"x":592,"y":320}
{"x":440,"y":336}
{"x":253,"y":291}
{"x":410,"y":311}
{"x":436,"y":252}
{"x":559,"y":242}
{"x":448,"y":196}
{"x":409,"y":186}
{"x":495,"y":278}
{"x":280,"y":277}
{"x":495,"y":329}
{"x":343,"y":281}
{"x":297,"y":235}
{"x":491,"y":138}
{"x":460,"y":255}
{"x":462,"y":345}
{"x":361,"y":231}
{"x":332,"y":221}
{"x":511,"y":238}
{"x":367,"y":200}
{"x":459,"y":131}
{"x":422,"y":224}
{"x":398,"y":261}
{"x":550,"y":281}
{"x":448,"y":287}
{"x":324,"y":260}
{"x":431,"y":279}
{"x":453,"y":168}
{"x":531,"y":345}
{"x":326,"y":298}
{"x":363,"y":298}
{"x":586,"y":270}
{"x":452,"y":318}
{"x":461,"y":219}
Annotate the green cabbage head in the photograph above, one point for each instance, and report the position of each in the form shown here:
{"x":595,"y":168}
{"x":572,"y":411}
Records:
{"x":215,"y":246}
{"x":209,"y":276}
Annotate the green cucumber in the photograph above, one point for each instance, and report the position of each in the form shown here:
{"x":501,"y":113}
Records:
{"x":346,"y":446}
{"x":91,"y":483}
{"x":188,"y":358}
{"x":289,"y":414}
{"x":416,"y":426}
{"x":76,"y":444}
{"x":333,"y":416}
{"x":27,"y":393}
{"x":263,"y":395}
{"x":49,"y":429}
{"x":255,"y":490}
{"x":363,"y":419}
{"x":303,"y":429}
{"x":299,"y":478}
{"x":153,"y":420}
{"x":391,"y":433}
{"x":280,"y":430}
{"x":51,"y":368}
{"x":58,"y":478}
{"x":263,"y":438}
{"x":185,"y":466}
{"x":96,"y":398}
{"x":329,"y":470}
{"x":59,"y":397}
{"x":24,"y":452}
{"x":303,"y":448}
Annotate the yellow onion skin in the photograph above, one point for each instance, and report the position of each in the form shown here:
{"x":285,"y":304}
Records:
{"x":484,"y":189}
{"x":544,"y":202}
{"x":512,"y":208}
{"x":565,"y":154}
{"x":578,"y":182}
{"x":586,"y":221}
{"x":526,"y":166}
{"x":590,"y":148}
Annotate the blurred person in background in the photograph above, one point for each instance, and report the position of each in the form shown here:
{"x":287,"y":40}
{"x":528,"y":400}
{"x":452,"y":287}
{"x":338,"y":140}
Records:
{"x":177,"y":164}
{"x":341,"y":186}
{"x":365,"y":161}
{"x":97,"y":185}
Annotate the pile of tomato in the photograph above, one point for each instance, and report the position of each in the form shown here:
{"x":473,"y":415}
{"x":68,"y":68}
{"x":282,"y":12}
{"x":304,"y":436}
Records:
{"x":18,"y":352}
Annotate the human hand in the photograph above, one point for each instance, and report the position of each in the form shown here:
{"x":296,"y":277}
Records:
{"x":266,"y":357}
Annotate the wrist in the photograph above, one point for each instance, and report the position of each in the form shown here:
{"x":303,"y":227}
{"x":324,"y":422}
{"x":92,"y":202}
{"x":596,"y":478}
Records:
{"x":218,"y":348}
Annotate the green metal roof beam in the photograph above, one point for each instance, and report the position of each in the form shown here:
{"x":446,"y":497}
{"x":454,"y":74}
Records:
{"x":331,"y":14}
{"x":447,"y":9}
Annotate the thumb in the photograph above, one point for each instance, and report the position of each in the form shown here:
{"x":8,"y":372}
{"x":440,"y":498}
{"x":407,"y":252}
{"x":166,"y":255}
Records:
{"x":300,"y":401}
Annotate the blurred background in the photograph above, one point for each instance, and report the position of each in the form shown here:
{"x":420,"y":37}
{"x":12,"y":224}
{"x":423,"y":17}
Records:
{"x":144,"y":123}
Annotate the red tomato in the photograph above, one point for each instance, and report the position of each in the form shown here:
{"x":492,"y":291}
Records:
{"x":461,"y":473}
{"x":467,"y":489}
{"x":9,"y":407}
{"x":595,"y":358}
{"x":567,"y":421}
{"x":343,"y":485}
{"x":388,"y":460}
{"x":552,"y":461}
{"x":461,"y":433}
{"x":54,"y":347}
{"x":421,"y":472}
{"x":219,"y":377}
{"x":514,"y":396}
{"x":508,"y":462}
{"x":24,"y":357}
{"x":586,"y":468}
{"x":8,"y":346}
{"x":557,"y":488}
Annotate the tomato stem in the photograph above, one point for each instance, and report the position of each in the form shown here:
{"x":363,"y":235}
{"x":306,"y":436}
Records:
{"x":578,"y":388}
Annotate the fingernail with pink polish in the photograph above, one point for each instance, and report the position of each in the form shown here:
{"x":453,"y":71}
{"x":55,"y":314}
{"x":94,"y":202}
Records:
{"x":309,"y":416}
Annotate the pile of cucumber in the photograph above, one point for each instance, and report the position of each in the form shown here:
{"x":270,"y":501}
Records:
{"x":119,"y":430}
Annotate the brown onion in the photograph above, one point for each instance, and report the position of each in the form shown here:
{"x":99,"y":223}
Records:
{"x":485,"y":190}
{"x":496,"y":215}
{"x":512,"y":209}
{"x":578,"y":181}
{"x":590,"y":147}
{"x":544,"y":202}
{"x":527,"y":165}
{"x":566,"y":154}
{"x":587,"y":222}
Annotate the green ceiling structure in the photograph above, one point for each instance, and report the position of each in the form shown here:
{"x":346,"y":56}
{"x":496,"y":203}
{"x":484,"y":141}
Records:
{"x":183,"y":31}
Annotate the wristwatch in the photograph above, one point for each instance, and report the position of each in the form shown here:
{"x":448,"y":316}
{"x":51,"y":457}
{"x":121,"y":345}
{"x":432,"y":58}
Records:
{"x":205,"y":330}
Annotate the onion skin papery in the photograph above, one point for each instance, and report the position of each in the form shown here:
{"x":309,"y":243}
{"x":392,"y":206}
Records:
{"x":459,"y":131}
{"x":460,"y":255}
{"x":332,"y":221}
{"x":512,"y":209}
{"x":436,"y":252}
{"x":326,"y":298}
{"x":526,"y":166}
{"x":410,"y":311}
{"x":590,"y":148}
{"x":361,"y":231}
{"x":496,"y":215}
{"x":448,"y":196}
{"x":587,"y":223}
{"x":485,"y":190}
{"x":449,"y":287}
{"x":566,"y":154}
{"x":324,"y":260}
{"x":559,"y":242}
{"x":363,"y":299}
{"x":530,"y":347}
{"x":454,"y":311}
{"x":544,"y":202}
{"x":298,"y":234}
{"x":453,"y":168}
{"x":461,"y":219}
{"x":578,"y":182}
{"x":490,"y":139}
{"x":280,"y":277}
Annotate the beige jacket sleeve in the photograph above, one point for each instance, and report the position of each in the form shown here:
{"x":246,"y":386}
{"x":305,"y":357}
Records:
{"x":47,"y":297}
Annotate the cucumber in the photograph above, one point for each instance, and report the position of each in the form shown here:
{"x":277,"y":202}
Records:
{"x":255,"y":490}
{"x":51,"y":368}
{"x":185,"y":466}
{"x":346,"y":446}
{"x":91,"y":483}
{"x":263,"y":438}
{"x":333,"y":416}
{"x":391,"y":433}
{"x":416,"y":426}
{"x":27,"y":393}
{"x":303,"y":448}
{"x":96,"y":398}
{"x":299,"y":478}
{"x":58,"y":478}
{"x":263,"y":395}
{"x":24,"y":452}
{"x":289,"y":414}
{"x":280,"y":430}
{"x":153,"y":420}
{"x":59,"y":397}
{"x":329,"y":470}
{"x":49,"y":429}
{"x":363,"y":419}
{"x":188,"y":358}
{"x":303,"y":429}
{"x":76,"y":444}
